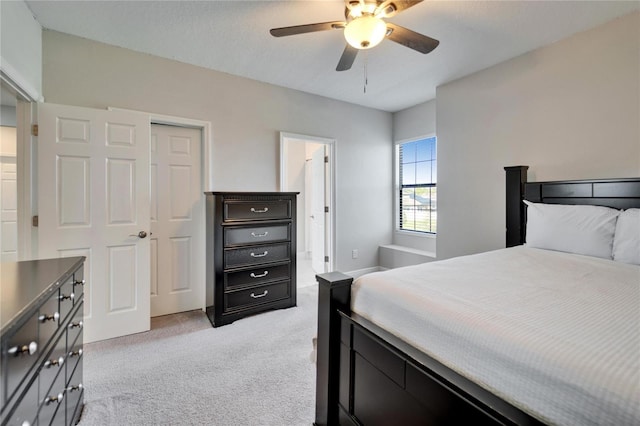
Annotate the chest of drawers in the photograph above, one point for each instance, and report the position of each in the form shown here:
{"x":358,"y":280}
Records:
{"x":251,"y":254}
{"x":41,"y":345}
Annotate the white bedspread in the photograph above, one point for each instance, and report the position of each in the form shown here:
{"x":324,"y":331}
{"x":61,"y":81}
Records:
{"x":555,"y":334}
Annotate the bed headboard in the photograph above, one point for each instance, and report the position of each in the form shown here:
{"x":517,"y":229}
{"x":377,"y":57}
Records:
{"x":620,"y":193}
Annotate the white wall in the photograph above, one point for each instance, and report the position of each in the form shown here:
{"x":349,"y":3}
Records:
{"x":569,"y":110}
{"x":7,"y":115}
{"x":413,"y":123}
{"x":21,"y":47}
{"x":246,"y":118}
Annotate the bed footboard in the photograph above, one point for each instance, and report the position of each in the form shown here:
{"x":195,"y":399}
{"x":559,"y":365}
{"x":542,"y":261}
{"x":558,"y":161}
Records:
{"x":367,"y":376}
{"x":334,"y":293}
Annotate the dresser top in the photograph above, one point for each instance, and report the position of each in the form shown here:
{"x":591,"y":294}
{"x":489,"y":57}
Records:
{"x":24,"y":285}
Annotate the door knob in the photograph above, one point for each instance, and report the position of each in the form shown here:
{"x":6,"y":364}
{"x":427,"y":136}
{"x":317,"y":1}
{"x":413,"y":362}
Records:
{"x":141,"y":234}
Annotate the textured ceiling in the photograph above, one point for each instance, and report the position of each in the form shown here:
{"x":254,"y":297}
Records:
{"x":233,"y":37}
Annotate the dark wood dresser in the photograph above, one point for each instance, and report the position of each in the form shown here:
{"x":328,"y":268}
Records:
{"x":41,"y":308}
{"x":251,"y":253}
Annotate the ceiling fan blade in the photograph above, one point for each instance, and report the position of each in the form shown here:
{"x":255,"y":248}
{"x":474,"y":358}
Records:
{"x":347,"y":58}
{"x":390,"y":8}
{"x":411,"y":39}
{"x":309,"y":28}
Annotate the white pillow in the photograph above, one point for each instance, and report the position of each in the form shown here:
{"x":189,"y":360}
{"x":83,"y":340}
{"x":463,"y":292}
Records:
{"x":576,"y":229}
{"x":626,"y":242}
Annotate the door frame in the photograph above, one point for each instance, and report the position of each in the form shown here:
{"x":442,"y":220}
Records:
{"x":206,"y":179}
{"x":331,"y":144}
{"x":26,"y":151}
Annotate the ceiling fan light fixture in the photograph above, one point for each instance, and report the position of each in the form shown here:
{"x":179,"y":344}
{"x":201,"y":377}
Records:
{"x":365,"y":32}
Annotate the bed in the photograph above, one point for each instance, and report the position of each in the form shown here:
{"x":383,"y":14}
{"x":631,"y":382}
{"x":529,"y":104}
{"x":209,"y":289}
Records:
{"x":487,"y":349}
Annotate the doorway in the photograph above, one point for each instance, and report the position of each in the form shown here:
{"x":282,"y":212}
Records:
{"x":15,"y":172}
{"x":306,"y":166}
{"x":177,"y":217}
{"x":8,"y":177}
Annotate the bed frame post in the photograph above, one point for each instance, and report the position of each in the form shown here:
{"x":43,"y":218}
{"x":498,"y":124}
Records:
{"x":334,"y":293}
{"x":516,"y":177}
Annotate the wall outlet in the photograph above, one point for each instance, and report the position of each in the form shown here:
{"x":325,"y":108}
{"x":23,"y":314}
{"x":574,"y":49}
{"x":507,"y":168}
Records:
{"x":354,"y":253}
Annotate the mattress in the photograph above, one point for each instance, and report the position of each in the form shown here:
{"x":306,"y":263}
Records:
{"x":554,"y":334}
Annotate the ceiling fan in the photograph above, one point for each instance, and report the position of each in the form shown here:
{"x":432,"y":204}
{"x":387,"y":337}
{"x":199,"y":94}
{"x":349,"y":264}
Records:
{"x":365,"y":28}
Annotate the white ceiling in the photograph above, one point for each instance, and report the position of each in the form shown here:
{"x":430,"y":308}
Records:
{"x":233,"y":37}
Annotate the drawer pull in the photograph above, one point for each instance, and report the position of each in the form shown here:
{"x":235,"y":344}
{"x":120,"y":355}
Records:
{"x":260,"y":255}
{"x":77,"y":353}
{"x":69,"y":297}
{"x":253,"y":234}
{"x":45,"y":317}
{"x":266,"y":209}
{"x":57,"y":362}
{"x":81,"y":282}
{"x":57,"y":398}
{"x":75,"y":387}
{"x":75,"y":324}
{"x":258,"y":296}
{"x":264,"y":274}
{"x":31,"y":349}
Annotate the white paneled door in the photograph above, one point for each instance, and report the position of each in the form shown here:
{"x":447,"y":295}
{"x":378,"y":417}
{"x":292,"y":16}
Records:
{"x":318,"y":214}
{"x":93,"y":200}
{"x":177,"y":240}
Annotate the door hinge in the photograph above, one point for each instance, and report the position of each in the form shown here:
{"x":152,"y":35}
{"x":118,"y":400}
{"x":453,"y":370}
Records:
{"x":326,"y":209}
{"x":326,"y":158}
{"x":34,"y":130}
{"x":34,"y":221}
{"x":326,"y":259}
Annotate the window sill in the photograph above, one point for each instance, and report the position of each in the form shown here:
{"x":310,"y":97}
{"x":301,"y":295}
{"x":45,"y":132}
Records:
{"x":416,"y":234}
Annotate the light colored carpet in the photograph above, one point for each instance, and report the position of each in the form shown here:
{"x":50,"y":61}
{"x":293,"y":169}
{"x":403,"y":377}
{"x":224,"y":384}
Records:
{"x":256,"y":371}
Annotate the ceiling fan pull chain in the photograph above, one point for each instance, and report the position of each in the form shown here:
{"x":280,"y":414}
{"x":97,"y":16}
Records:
{"x":366,"y":77}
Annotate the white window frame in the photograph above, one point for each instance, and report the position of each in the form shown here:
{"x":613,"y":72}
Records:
{"x":396,"y":188}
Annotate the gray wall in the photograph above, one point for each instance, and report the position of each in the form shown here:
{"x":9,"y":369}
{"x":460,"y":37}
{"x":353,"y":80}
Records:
{"x":413,"y":123}
{"x":21,"y":47}
{"x":569,"y":110}
{"x":246,"y":118}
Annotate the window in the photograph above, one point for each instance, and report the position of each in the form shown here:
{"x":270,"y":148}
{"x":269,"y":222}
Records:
{"x":417,"y":186}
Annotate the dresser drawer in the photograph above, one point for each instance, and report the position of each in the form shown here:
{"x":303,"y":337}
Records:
{"x":78,"y":286}
{"x":66,"y":299}
{"x":256,"y":234}
{"x":49,"y":319}
{"x":73,"y":393}
{"x":256,"y":295}
{"x":53,"y":365}
{"x":256,"y":210}
{"x":74,"y":356}
{"x":25,"y":412}
{"x":52,"y":403}
{"x":75,"y":326}
{"x":255,"y":276}
{"x":256,"y":255}
{"x":23,"y":349}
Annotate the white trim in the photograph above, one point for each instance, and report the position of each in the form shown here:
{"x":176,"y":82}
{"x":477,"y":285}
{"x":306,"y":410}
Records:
{"x":396,"y":186}
{"x":332,"y":144}
{"x":14,"y":79}
{"x":26,"y":152}
{"x":418,"y":234}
